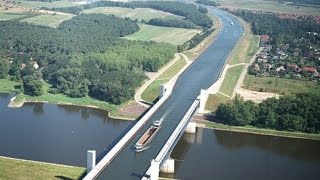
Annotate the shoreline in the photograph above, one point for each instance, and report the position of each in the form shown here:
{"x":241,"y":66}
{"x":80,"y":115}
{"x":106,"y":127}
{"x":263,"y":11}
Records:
{"x":258,"y":131}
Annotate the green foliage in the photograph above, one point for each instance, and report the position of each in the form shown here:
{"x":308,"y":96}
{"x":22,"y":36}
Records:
{"x":292,"y":113}
{"x":32,"y":85}
{"x":208,"y":2}
{"x":4,"y":68}
{"x":171,"y":23}
{"x":202,"y":9}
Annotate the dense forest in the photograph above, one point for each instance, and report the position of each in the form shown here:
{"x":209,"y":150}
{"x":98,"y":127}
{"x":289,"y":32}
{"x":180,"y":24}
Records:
{"x":189,"y":11}
{"x":171,"y":23}
{"x":292,"y":113}
{"x":208,"y":2}
{"x":83,"y":56}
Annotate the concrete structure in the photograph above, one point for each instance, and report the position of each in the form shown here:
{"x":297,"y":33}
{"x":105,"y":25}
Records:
{"x":163,"y":90}
{"x":155,"y":167}
{"x":191,"y":128}
{"x":167,"y":166}
{"x":166,"y":163}
{"x":126,"y":138}
{"x":203,"y":100}
{"x":91,"y":160}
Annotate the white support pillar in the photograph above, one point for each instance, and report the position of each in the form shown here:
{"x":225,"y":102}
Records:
{"x":155,"y":168}
{"x":163,"y":89}
{"x":167,"y":166}
{"x":203,"y":100}
{"x":191,"y":127}
{"x":91,"y":160}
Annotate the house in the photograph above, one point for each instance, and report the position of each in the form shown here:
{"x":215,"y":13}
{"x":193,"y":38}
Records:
{"x":292,"y":67}
{"x":268,"y":48}
{"x":34,"y":64}
{"x":310,"y":70}
{"x":264,"y":39}
{"x":266,"y":66}
{"x":281,"y":68}
{"x":256,"y":67}
{"x":263,"y":55}
{"x":260,"y":60}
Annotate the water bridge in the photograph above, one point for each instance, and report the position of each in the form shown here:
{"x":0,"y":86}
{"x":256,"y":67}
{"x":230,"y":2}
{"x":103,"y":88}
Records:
{"x":175,"y":106}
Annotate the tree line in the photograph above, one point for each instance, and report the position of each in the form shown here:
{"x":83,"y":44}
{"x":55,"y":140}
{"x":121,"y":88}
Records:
{"x":171,"y":23}
{"x":83,"y":56}
{"x":291,"y":113}
{"x":208,"y":2}
{"x":189,"y":11}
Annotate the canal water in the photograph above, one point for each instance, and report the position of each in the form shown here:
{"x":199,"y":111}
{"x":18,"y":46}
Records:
{"x":63,"y":134}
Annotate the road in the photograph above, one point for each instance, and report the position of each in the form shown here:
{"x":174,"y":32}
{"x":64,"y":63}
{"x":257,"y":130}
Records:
{"x":199,"y":75}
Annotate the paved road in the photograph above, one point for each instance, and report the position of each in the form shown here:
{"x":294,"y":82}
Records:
{"x":200,"y":75}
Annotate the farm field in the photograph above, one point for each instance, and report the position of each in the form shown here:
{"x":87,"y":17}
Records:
{"x":51,"y":20}
{"x":38,"y":4}
{"x":170,"y":35}
{"x":279,"y":85}
{"x":10,"y":16}
{"x":137,"y":13}
{"x":268,"y":6}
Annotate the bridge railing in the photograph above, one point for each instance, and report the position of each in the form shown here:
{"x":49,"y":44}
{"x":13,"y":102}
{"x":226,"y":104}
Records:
{"x":171,"y":141}
{"x":126,"y":138}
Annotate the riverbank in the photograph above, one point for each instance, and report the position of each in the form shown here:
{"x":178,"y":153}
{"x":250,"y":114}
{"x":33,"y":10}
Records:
{"x":255,"y":130}
{"x":27,"y":169}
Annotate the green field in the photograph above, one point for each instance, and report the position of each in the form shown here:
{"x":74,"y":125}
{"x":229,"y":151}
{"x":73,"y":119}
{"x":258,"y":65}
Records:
{"x":268,"y":6}
{"x":10,"y":16}
{"x":279,"y":85}
{"x":38,"y":4}
{"x":152,"y":91}
{"x":214,"y":100}
{"x":262,"y":131}
{"x":170,"y":35}
{"x":7,"y":86}
{"x":137,"y":13}
{"x":48,"y":19}
{"x":17,"y":169}
{"x":231,"y":79}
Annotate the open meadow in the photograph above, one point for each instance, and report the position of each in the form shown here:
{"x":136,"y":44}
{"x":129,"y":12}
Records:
{"x":170,"y":35}
{"x":137,"y":13}
{"x":51,"y":20}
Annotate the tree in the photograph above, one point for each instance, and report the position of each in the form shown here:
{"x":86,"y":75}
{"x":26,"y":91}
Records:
{"x":32,"y":85}
{"x":4,"y":68}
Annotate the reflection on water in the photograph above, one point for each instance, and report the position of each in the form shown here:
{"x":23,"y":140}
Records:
{"x":212,"y":154}
{"x":55,"y":133}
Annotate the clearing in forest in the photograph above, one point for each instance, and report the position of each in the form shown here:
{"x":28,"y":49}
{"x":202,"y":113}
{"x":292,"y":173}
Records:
{"x":137,"y":13}
{"x":170,"y":35}
{"x":51,"y":20}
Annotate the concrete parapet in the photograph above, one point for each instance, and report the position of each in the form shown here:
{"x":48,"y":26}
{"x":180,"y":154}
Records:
{"x":155,"y":167}
{"x":167,"y":166}
{"x":191,"y":128}
{"x":91,"y":160}
{"x":163,"y":89}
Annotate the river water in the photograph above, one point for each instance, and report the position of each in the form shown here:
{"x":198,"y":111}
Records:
{"x":63,"y":134}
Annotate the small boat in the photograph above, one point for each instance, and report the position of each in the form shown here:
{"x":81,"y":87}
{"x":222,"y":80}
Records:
{"x":142,"y":143}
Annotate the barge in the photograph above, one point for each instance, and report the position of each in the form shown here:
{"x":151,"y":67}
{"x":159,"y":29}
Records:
{"x":142,"y":143}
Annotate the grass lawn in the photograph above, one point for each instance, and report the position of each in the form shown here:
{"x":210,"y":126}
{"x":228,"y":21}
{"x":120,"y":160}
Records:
{"x":214,"y":100}
{"x":7,"y":86}
{"x":152,"y":91}
{"x":246,"y":48}
{"x":18,"y":169}
{"x":38,"y":4}
{"x":48,"y":19}
{"x":170,"y":35}
{"x":137,"y":13}
{"x":269,"y":6}
{"x":231,"y":79}
{"x":262,"y":131}
{"x":10,"y":16}
{"x":279,"y":85}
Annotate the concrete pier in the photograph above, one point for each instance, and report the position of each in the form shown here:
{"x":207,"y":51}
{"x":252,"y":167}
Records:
{"x":155,"y":169}
{"x":167,"y":166}
{"x":163,"y":90}
{"x":91,"y":160}
{"x":203,"y":97}
{"x":191,"y":128}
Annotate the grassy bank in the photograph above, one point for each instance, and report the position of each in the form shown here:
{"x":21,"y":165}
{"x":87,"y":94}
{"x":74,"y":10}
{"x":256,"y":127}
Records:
{"x":7,"y":86}
{"x":51,"y":20}
{"x":262,"y":131}
{"x":231,"y":79}
{"x":214,"y":100}
{"x":10,"y":16}
{"x":152,"y":91}
{"x":20,"y":169}
{"x":279,"y":85}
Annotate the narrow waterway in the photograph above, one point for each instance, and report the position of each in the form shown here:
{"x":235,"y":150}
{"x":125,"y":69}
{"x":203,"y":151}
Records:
{"x":55,"y":133}
{"x":213,"y":154}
